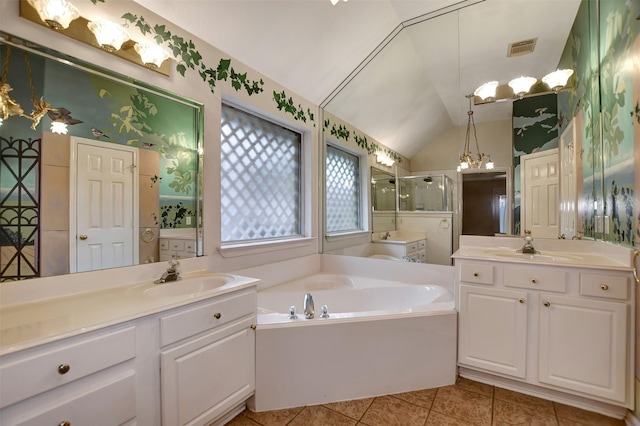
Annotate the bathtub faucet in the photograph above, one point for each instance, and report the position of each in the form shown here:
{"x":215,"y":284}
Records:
{"x":308,"y":306}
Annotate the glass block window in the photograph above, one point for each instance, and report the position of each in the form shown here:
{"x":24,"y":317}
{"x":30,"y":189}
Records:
{"x":260,"y":179}
{"x":343,"y":191}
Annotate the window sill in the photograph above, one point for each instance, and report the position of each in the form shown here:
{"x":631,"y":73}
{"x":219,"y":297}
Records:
{"x":236,"y":250}
{"x":347,"y":236}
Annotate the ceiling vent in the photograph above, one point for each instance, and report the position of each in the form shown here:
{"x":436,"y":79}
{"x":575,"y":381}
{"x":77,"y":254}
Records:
{"x":522,"y":47}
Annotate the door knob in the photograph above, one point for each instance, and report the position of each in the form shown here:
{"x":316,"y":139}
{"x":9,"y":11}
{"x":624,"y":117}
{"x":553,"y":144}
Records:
{"x":83,"y":236}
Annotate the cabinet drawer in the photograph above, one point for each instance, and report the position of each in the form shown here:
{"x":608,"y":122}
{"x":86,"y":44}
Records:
{"x":608,"y":286}
{"x":411,"y":247}
{"x":474,"y":273}
{"x":190,"y":246}
{"x":112,"y":403}
{"x":177,"y":245}
{"x":164,"y":244}
{"x":535,"y":278}
{"x":31,"y":375}
{"x":422,"y":244}
{"x":187,"y":322}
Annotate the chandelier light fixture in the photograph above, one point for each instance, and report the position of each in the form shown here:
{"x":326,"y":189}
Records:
{"x":467,"y":159}
{"x":110,"y":36}
{"x":57,"y":14}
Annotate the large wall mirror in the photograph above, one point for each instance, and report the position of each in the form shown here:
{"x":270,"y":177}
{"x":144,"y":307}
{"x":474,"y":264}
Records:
{"x":434,"y":62}
{"x":118,"y":185}
{"x":383,"y":200}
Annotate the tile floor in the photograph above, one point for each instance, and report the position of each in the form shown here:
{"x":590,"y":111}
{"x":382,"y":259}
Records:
{"x":465,"y":403}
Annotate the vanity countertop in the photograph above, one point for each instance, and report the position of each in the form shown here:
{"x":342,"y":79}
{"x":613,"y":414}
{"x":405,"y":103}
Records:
{"x":579,"y":254}
{"x":24,"y":325}
{"x":402,"y":238}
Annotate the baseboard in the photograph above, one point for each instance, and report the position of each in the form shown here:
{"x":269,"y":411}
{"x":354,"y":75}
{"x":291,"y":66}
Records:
{"x":631,"y":420}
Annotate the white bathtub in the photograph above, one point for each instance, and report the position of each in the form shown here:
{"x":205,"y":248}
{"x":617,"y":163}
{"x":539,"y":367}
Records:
{"x":381,"y":337}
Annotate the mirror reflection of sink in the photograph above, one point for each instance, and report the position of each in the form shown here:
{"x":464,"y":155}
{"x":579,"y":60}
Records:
{"x":188,"y":286}
{"x":534,"y":257}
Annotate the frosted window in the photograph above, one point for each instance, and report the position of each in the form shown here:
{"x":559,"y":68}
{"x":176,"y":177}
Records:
{"x":260,"y":178}
{"x":343,"y":191}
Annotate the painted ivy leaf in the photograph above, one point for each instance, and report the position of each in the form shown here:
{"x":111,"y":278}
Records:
{"x":181,"y":69}
{"x":236,"y":85}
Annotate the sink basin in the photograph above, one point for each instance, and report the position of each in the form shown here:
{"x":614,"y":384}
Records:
{"x":534,"y":257}
{"x":188,"y":286}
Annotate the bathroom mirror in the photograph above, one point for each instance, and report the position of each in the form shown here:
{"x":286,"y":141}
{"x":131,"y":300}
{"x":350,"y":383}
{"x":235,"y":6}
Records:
{"x":383,"y":200}
{"x":59,"y":206}
{"x":367,"y":99}
{"x":426,"y":193}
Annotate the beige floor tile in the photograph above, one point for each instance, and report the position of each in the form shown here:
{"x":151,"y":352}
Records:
{"x":568,"y":415}
{"x":472,"y":386}
{"x":543,"y":405}
{"x":464,"y":405}
{"x":423,"y":398}
{"x":389,"y":411}
{"x":508,"y":413}
{"x":241,"y":420}
{"x":274,"y":418}
{"x":318,"y":415}
{"x":354,"y":409}
{"x":437,"y":419}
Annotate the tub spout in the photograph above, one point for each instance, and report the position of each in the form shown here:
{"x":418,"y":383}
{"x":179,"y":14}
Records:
{"x":308,"y":306}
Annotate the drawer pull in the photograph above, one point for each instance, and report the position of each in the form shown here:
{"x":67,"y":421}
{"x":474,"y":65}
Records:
{"x":475,"y":274}
{"x":63,"y":368}
{"x":253,"y":326}
{"x":521,"y":300}
{"x":547,"y":304}
{"x":534,"y":281}
{"x":64,"y":423}
{"x":605,"y":287}
{"x":217,"y":315}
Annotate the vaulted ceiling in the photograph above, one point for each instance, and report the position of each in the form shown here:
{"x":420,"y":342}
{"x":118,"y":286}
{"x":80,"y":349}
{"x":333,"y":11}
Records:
{"x":396,"y":69}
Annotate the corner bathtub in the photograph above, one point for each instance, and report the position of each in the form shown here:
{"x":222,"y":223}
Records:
{"x":381,"y":337}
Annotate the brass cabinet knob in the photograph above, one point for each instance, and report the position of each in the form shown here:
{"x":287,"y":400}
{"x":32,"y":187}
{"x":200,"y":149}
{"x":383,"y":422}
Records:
{"x":475,"y":274}
{"x":604,"y":287}
{"x":83,"y":237}
{"x":64,"y":423}
{"x":217,"y":315}
{"x":253,"y":326}
{"x":64,"y":368}
{"x":547,"y":304}
{"x":534,"y":281}
{"x":521,"y":300}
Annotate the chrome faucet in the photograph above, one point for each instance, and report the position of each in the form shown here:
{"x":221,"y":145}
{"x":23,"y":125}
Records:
{"x":309,"y":310}
{"x":171,"y":274}
{"x":528,"y":244}
{"x":386,"y":235}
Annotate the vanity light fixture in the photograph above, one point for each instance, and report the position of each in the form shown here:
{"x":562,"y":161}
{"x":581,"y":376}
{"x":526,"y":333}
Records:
{"x":467,"y":159}
{"x":487,"y":92}
{"x":557,"y":79}
{"x":57,"y":14}
{"x":110,"y":35}
{"x":522,"y":85}
{"x":152,"y":54}
{"x":384,"y":158}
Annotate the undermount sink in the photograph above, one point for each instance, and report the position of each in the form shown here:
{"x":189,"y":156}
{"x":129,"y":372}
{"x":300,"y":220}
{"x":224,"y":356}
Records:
{"x":188,"y":286}
{"x":534,"y":257}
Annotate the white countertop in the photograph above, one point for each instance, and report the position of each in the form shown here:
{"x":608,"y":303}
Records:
{"x":399,"y":237}
{"x":24,"y":325}
{"x":580,"y":254}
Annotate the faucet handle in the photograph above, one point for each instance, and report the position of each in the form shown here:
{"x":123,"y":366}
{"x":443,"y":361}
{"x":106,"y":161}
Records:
{"x":292,"y":313}
{"x":173,"y":264}
{"x":324,"y":311}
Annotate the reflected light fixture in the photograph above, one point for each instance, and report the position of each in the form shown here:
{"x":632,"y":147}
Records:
{"x":522,"y":85}
{"x":384,"y":158}
{"x":57,"y":14}
{"x":59,"y":127}
{"x":557,"y":79}
{"x":334,"y":2}
{"x":109,"y":35}
{"x":152,"y":54}
{"x":467,"y":159}
{"x":487,"y":92}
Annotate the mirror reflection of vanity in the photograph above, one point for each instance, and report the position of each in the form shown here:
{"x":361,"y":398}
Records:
{"x":119,"y":189}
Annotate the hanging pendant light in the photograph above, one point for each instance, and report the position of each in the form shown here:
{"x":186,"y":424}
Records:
{"x":8,"y":106}
{"x":467,"y":159}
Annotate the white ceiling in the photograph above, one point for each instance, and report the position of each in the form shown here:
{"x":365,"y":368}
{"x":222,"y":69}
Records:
{"x":407,"y":64}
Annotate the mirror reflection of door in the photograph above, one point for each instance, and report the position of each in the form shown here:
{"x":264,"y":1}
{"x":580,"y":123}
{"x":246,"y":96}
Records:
{"x":484,"y":203}
{"x":106,"y":193}
{"x":541,"y":193}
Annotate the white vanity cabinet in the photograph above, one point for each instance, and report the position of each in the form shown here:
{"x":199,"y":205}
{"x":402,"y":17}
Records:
{"x":83,"y":380}
{"x":567,"y":329}
{"x":207,"y":358}
{"x":178,"y":248}
{"x":415,"y":249}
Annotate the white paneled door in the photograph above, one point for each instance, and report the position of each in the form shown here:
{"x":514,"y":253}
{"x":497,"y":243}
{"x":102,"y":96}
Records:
{"x":106,"y":199}
{"x":541,"y":193}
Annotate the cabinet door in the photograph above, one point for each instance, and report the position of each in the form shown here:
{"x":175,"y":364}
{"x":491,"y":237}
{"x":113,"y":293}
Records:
{"x":493,"y":330}
{"x":205,"y":377}
{"x":583,"y":345}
